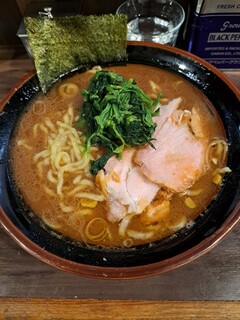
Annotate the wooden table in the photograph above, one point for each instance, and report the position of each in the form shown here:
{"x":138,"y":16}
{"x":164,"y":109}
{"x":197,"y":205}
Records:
{"x":30,"y":289}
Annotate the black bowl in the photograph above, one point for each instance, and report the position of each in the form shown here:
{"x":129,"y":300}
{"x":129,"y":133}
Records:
{"x":211,"y":226}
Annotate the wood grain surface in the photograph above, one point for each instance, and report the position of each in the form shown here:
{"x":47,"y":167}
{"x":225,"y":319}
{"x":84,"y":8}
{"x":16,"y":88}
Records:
{"x":40,"y":309}
{"x":212,"y":277}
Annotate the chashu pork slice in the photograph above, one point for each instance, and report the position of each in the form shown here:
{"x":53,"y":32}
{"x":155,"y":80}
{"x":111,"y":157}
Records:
{"x":178,"y":159}
{"x":126,"y":189}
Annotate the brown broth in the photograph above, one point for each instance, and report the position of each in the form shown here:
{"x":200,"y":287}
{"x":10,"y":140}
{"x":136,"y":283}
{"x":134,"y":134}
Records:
{"x":47,"y":207}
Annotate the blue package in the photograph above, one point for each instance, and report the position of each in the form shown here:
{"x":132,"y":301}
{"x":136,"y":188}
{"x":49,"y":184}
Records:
{"x":214,"y":32}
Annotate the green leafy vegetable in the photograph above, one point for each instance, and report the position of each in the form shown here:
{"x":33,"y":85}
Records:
{"x":61,"y":44}
{"x":116,"y":113}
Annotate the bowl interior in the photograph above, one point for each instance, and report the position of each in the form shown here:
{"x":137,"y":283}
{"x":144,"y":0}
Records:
{"x":218,"y":218}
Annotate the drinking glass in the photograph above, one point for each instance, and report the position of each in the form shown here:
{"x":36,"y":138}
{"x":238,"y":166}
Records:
{"x":153,"y":20}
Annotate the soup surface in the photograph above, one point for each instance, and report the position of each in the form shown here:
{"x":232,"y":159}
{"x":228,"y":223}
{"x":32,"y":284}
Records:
{"x":52,"y":172}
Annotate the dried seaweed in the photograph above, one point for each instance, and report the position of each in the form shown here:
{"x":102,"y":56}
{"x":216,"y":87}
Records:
{"x":62,"y":44}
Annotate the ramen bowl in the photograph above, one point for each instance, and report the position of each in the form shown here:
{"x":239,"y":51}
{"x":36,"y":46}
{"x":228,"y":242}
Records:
{"x":187,"y":244}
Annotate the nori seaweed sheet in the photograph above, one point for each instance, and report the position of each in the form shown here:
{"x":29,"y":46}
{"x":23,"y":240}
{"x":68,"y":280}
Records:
{"x":62,"y":44}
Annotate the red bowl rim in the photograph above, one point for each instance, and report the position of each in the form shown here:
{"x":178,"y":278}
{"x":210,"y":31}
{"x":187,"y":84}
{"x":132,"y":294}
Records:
{"x":126,"y":272}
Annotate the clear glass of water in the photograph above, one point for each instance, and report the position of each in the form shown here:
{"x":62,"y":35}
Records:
{"x":153,"y":20}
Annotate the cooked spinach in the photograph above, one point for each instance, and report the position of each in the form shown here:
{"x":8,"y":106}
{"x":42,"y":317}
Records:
{"x":116,"y":113}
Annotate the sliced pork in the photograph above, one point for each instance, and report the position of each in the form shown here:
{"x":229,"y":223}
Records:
{"x":176,"y":163}
{"x":178,"y":159}
{"x":125,"y":187}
